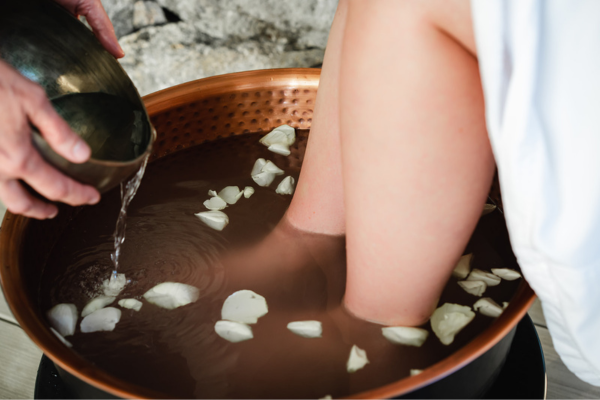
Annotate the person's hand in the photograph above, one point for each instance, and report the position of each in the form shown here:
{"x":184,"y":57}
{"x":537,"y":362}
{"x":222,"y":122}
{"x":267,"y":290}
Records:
{"x":22,"y":102}
{"x":95,"y":15}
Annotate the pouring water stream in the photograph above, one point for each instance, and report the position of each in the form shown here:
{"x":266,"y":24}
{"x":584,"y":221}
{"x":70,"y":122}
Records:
{"x":128,"y":191}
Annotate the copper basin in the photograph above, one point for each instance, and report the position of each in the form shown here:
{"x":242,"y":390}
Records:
{"x":184,"y":116}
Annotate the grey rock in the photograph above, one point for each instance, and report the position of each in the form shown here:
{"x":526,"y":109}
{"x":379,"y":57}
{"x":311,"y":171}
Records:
{"x":215,"y":37}
{"x":293,"y":19}
{"x":158,"y":57}
{"x":147,"y":13}
{"x":120,"y":13}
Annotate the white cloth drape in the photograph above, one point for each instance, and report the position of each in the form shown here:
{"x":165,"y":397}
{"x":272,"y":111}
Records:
{"x":540,"y":68}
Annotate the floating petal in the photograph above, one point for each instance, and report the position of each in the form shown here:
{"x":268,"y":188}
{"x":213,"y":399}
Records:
{"x":272,"y":168}
{"x":414,"y":372}
{"x":307,"y":329}
{"x":258,"y":166}
{"x":283,"y":134}
{"x":233,"y":331}
{"x":488,"y":307}
{"x":63,"y":318}
{"x":248,"y":191}
{"x":506,"y":273}
{"x":488,"y":208}
{"x":214,"y":219}
{"x":96,"y":304}
{"x":487,"y":277}
{"x":357,"y":359}
{"x":244,"y":306}
{"x":263,"y":179}
{"x":449,"y":319}
{"x":282,"y":149}
{"x":405,"y":335}
{"x":231,"y":194}
{"x":476,"y":288}
{"x":171,"y":295}
{"x":102,"y":320}
{"x":215,"y":203}
{"x":286,"y":186}
{"x":131,"y":304}
{"x":463,"y":267}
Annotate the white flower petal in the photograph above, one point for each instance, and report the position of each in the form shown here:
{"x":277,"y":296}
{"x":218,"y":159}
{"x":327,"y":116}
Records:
{"x":405,"y":335}
{"x":506,"y":273}
{"x":264,"y":172}
{"x":215,"y":203}
{"x":272,"y":168}
{"x":488,"y":307}
{"x":283,"y":134}
{"x":449,"y":319}
{"x":212,"y":193}
{"x":357,"y":359}
{"x":476,"y":288}
{"x":282,"y":149}
{"x":258,"y":166}
{"x":244,"y":306}
{"x":463,"y":267}
{"x":61,"y":338}
{"x":504,"y":305}
{"x":248,"y":191}
{"x":231,"y":194}
{"x":214,"y":219}
{"x":114,"y":285}
{"x":488,"y":208}
{"x":286,"y":186}
{"x":233,"y":331}
{"x":326,"y":397}
{"x":63,"y":318}
{"x":307,"y":329}
{"x":414,"y":372}
{"x":96,"y":304}
{"x":276,"y":136}
{"x":131,"y":304}
{"x":101,"y":320}
{"x":479,"y":275}
{"x":171,"y":295}
{"x":263,"y":179}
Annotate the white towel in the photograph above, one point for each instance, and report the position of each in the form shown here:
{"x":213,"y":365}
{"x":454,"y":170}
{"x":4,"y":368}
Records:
{"x":540,"y":68}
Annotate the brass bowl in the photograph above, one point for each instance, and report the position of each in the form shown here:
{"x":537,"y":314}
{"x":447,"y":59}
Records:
{"x":187,"y":115}
{"x":49,"y":46}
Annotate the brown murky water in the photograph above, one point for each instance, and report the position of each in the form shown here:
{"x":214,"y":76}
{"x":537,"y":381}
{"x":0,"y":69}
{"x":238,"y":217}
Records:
{"x":302,"y":277}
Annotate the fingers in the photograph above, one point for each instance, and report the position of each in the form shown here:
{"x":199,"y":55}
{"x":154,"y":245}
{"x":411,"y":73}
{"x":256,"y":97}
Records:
{"x":101,"y":25}
{"x":52,"y":127}
{"x":22,"y":102}
{"x":53,"y":185}
{"x":18,"y":201}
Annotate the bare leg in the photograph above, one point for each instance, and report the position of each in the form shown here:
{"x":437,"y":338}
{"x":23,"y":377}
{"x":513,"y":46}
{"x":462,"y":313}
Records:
{"x":318,"y":204}
{"x":417,"y":162}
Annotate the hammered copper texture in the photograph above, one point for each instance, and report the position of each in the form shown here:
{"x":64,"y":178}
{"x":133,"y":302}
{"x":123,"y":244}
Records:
{"x":213,"y":117}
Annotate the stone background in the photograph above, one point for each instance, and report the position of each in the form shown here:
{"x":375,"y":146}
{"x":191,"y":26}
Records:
{"x":168,"y":42}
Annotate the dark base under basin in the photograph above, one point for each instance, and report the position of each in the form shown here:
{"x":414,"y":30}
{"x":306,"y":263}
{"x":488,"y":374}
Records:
{"x":523,"y":375}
